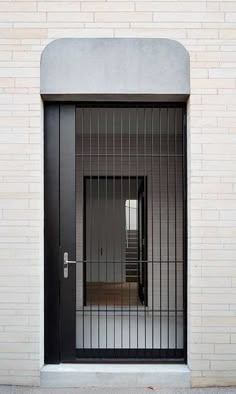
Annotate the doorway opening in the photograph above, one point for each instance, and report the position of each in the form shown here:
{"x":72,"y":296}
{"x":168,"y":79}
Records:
{"x":115,"y":213}
{"x":114,"y":242}
{"x":130,"y":220}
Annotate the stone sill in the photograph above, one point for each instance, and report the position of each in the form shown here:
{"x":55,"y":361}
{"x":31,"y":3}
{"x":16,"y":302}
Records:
{"x":115,"y":375}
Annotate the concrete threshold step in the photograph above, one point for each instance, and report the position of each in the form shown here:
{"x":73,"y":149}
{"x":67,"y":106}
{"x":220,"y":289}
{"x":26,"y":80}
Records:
{"x":115,"y":375}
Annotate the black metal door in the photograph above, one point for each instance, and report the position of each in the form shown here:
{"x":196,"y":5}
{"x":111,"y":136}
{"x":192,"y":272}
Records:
{"x":99,"y":303}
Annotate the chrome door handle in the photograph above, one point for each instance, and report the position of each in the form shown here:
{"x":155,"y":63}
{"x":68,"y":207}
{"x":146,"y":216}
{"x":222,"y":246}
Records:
{"x":66,"y":263}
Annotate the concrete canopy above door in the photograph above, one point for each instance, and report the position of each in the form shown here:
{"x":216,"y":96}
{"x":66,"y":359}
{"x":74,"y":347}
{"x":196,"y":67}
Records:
{"x":115,"y":69}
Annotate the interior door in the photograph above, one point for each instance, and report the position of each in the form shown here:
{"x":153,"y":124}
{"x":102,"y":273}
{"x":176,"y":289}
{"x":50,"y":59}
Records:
{"x":105,"y":230}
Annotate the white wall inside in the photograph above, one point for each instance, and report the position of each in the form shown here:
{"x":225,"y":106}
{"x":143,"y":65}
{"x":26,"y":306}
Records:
{"x":105,"y":231}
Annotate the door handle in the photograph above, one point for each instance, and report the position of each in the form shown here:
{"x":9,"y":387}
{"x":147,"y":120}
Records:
{"x":66,"y":264}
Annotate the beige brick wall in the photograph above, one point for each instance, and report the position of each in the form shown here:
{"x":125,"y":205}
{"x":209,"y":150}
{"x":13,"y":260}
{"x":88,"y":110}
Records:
{"x":207,"y":29}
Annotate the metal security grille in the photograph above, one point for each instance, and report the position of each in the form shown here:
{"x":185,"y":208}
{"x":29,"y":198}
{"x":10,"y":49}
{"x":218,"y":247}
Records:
{"x":131,"y":232}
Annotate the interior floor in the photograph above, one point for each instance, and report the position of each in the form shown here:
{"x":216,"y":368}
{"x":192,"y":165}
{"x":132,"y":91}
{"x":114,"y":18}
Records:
{"x":117,"y":294}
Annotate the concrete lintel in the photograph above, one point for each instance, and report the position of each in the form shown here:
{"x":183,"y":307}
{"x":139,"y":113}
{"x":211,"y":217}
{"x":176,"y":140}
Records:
{"x":77,"y":66}
{"x":115,"y":375}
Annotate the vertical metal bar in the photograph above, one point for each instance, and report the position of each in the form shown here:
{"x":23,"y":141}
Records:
{"x":106,"y":216}
{"x":137,"y":187}
{"x":144,"y":269}
{"x":99,"y":244}
{"x":168,"y":234}
{"x":114,"y":190}
{"x":129,"y":214}
{"x":152,"y":228}
{"x":82,"y":180}
{"x":175,"y":219}
{"x":121,"y":204}
{"x":91,"y":233}
{"x":160,"y":229}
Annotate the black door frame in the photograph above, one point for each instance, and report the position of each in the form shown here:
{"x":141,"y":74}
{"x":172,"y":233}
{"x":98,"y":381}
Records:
{"x":59,"y":232}
{"x":51,"y":235}
{"x":59,"y":338}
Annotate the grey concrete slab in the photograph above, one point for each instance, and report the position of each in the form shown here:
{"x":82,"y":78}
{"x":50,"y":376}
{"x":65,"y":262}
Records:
{"x":115,"y":375}
{"x":117,"y":66}
{"x":147,"y":390}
